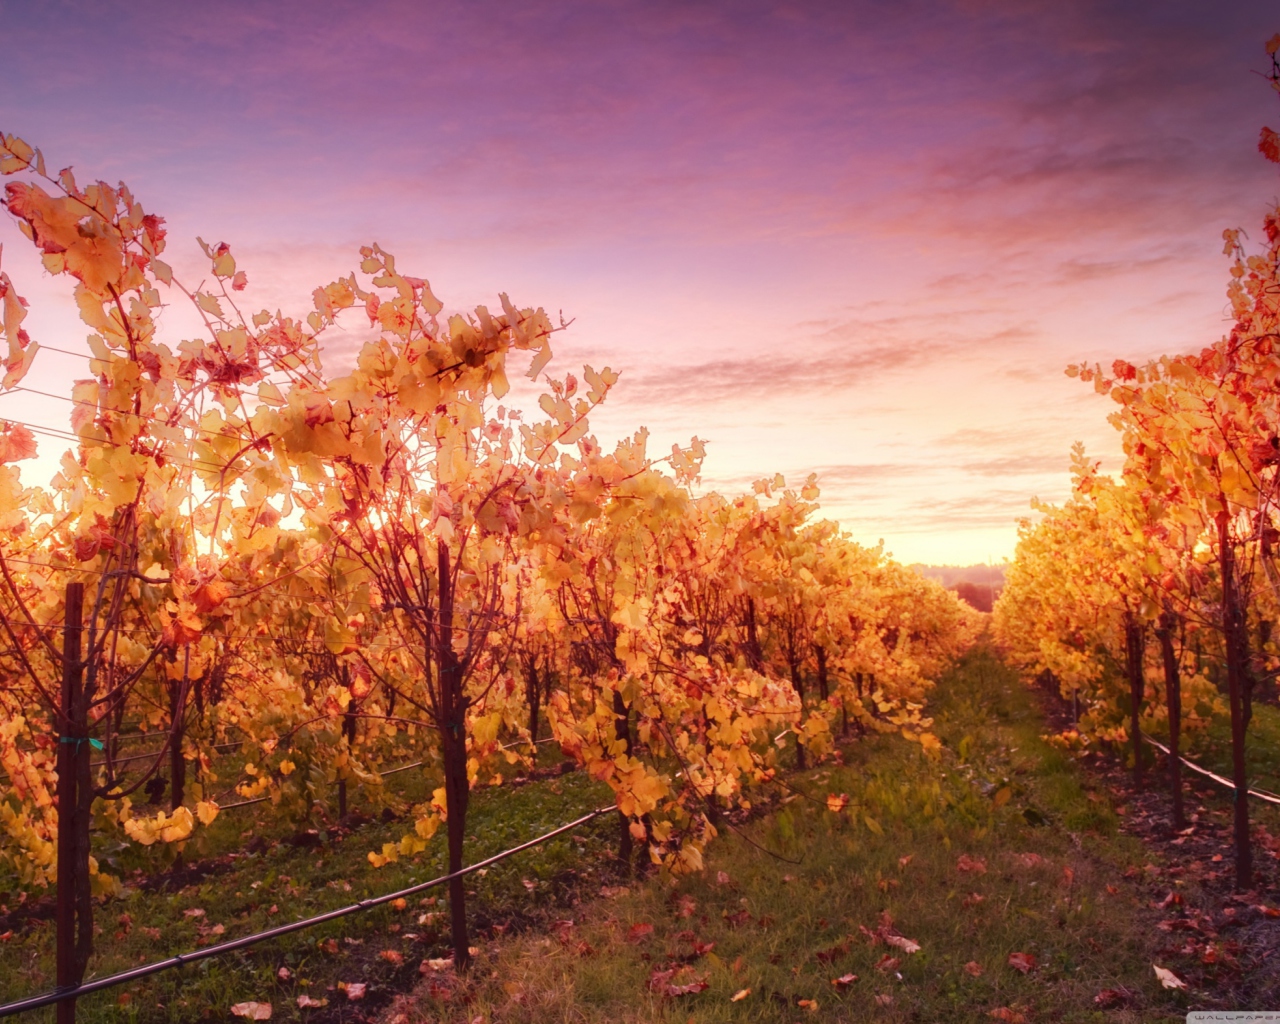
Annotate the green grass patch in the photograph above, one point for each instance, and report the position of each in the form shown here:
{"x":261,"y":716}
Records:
{"x":262,"y":879}
{"x":1044,"y":878}
{"x":1211,"y":747}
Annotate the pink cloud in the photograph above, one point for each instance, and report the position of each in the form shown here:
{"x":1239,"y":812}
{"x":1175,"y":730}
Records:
{"x":827,"y":233}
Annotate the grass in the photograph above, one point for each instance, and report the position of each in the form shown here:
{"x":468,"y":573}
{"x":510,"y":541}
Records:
{"x":1211,"y":747}
{"x":264,"y":873}
{"x":781,"y":928}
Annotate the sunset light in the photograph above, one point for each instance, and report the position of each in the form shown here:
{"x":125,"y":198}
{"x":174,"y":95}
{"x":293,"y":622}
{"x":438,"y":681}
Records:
{"x":629,"y":512}
{"x":855,"y":239}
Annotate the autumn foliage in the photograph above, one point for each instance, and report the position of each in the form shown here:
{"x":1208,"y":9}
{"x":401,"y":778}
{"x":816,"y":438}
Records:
{"x":329,"y":574}
{"x":1150,"y":598}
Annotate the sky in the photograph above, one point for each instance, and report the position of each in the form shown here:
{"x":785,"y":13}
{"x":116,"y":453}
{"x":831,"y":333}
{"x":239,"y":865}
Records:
{"x":855,"y":238}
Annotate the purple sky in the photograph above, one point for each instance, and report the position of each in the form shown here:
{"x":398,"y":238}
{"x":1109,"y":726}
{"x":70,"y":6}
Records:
{"x":858,"y":238}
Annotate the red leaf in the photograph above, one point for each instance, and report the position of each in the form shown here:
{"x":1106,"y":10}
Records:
{"x":1269,"y":145}
{"x":639,"y":931}
{"x":16,"y":443}
{"x":1024,"y":962}
{"x":1112,"y":997}
{"x":665,"y":982}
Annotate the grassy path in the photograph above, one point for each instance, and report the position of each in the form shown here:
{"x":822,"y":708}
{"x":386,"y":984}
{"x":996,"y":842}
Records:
{"x":1002,"y":846}
{"x":998,"y":848}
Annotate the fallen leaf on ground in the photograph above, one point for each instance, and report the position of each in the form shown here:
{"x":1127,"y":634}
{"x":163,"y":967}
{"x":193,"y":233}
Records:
{"x":1024,"y":962}
{"x":252,"y":1011}
{"x":284,"y":974}
{"x":884,"y":999}
{"x":809,"y":1004}
{"x":393,"y":957}
{"x":973,"y":968}
{"x":888,"y":963}
{"x":844,"y":981}
{"x":904,"y":944}
{"x":976,"y":865}
{"x":1112,"y":997}
{"x":305,"y":1000}
{"x":1009,"y":1016}
{"x":671,"y":983}
{"x":1167,"y":978}
{"x":198,"y":912}
{"x":443,"y":964}
{"x":354,"y":990}
{"x":740,"y":995}
{"x":836,"y":802}
{"x":722,"y":878}
{"x":639,"y":931}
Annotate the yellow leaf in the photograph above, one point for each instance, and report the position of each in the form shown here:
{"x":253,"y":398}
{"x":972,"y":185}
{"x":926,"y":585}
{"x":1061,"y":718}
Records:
{"x":206,"y":811}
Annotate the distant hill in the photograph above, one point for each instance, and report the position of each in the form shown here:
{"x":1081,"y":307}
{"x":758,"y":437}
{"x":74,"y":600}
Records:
{"x":950,"y":575}
{"x":979,"y":585}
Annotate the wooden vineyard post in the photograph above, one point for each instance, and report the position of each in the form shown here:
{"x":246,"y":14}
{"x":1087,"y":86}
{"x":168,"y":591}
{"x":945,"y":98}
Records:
{"x":1135,"y":650}
{"x":1234,"y":645}
{"x":1173,"y":701}
{"x":73,"y":735}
